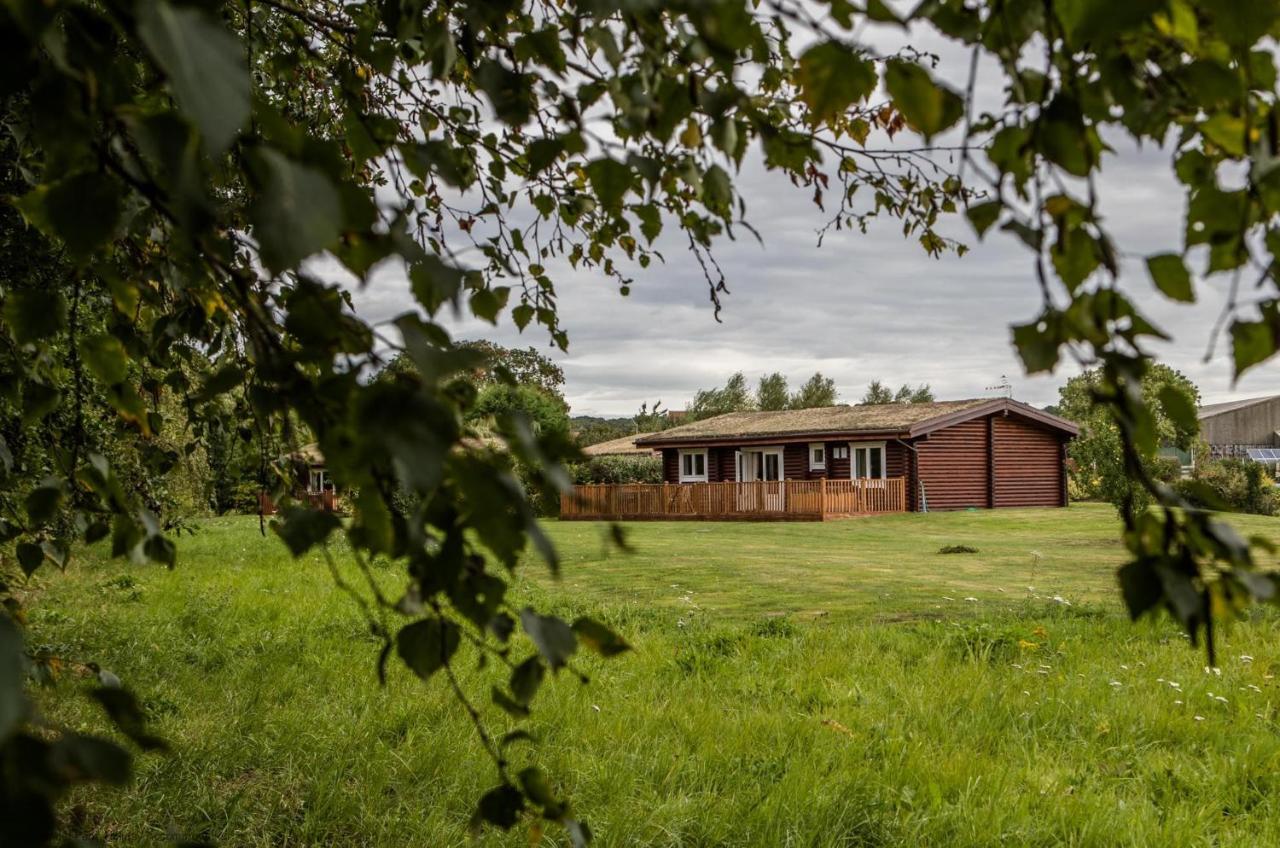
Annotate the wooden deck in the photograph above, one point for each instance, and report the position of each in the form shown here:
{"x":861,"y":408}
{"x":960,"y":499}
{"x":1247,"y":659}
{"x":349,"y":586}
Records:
{"x":777,"y":500}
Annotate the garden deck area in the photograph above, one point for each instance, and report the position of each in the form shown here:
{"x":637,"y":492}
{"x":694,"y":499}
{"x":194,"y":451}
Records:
{"x":761,"y":500}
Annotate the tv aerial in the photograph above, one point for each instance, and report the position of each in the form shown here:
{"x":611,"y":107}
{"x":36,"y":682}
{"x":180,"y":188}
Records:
{"x":1004,"y":387}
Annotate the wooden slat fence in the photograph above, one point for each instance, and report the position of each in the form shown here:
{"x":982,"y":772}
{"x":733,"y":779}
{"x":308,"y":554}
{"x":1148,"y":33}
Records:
{"x":783,"y":500}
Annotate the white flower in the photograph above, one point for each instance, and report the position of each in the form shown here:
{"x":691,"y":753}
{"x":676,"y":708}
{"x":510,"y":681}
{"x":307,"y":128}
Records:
{"x":971,"y":599}
{"x":1116,"y":683}
{"x":1179,"y":703}
{"x":1245,"y":658}
{"x":1213,"y":669}
{"x":1125,"y":667}
{"x":1199,"y":718}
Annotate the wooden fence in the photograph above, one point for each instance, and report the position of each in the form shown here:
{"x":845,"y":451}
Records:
{"x":772,"y":500}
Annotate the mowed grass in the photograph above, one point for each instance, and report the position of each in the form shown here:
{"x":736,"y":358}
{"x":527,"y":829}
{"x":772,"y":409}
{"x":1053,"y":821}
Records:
{"x":836,"y":684}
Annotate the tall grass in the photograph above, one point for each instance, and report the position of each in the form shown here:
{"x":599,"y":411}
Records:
{"x":816,"y":685}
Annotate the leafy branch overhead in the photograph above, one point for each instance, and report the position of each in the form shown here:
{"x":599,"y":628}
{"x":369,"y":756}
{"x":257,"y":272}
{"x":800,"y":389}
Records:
{"x":186,"y":185}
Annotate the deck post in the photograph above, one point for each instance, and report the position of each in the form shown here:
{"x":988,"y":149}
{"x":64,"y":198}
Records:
{"x":822,"y":497}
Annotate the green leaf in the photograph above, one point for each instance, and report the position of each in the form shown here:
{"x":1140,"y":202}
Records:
{"x":427,"y":645}
{"x":717,"y":191}
{"x":205,"y":65}
{"x":1075,"y":257}
{"x":984,"y":215}
{"x":599,"y":638}
{"x":297,"y":213}
{"x":1251,"y":342}
{"x":610,"y":180}
{"x":80,"y":758}
{"x":82,"y":210}
{"x":500,"y":806}
{"x":125,"y":711}
{"x":30,"y":557}
{"x":1037,"y":348}
{"x":434,"y":283}
{"x":13,"y":704}
{"x":1170,"y":275}
{"x":1180,"y":408}
{"x":34,"y":315}
{"x":105,"y":356}
{"x":650,"y":220}
{"x":927,"y":105}
{"x":42,"y":502}
{"x":302,"y":529}
{"x":552,"y":637}
{"x":1141,"y":587}
{"x":1227,"y":132}
{"x":526,"y":678}
{"x":833,"y":77}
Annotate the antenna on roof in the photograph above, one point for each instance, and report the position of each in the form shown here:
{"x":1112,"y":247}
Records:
{"x":1004,"y":387}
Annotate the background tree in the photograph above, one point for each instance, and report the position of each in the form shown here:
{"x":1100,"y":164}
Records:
{"x":772,"y":393}
{"x":1098,"y":467}
{"x":651,"y":419}
{"x":186,"y":161}
{"x":922,"y":393}
{"x":523,"y":366}
{"x":816,"y":391}
{"x":733,"y":396}
{"x":877,"y":392}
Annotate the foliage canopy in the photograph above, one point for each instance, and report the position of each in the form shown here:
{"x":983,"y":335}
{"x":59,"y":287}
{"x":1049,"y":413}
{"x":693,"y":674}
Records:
{"x":197,"y":177}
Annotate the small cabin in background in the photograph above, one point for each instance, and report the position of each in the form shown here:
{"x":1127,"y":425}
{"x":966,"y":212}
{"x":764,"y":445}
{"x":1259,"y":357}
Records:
{"x":319,"y":491}
{"x":811,"y":464}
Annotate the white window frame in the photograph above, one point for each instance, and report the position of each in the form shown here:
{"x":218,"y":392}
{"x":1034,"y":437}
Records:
{"x":318,"y":480}
{"x":840,"y":452}
{"x":817,"y":464}
{"x":854,"y":447}
{"x":693,"y":478}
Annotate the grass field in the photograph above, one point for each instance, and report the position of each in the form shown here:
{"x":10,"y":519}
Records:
{"x":837,"y":684}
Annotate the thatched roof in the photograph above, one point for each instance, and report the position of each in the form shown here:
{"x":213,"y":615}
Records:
{"x":625,"y":446}
{"x":905,"y":419}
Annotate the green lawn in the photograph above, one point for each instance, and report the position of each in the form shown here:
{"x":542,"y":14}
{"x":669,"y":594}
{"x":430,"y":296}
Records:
{"x":792,"y":684}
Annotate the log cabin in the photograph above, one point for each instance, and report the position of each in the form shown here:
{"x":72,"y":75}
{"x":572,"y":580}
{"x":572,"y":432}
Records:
{"x":845,"y":460}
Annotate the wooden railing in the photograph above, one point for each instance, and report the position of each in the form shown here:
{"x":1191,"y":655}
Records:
{"x":794,"y":500}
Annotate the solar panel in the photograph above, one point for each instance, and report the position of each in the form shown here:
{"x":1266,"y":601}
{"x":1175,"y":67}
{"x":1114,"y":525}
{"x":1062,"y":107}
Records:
{"x":1263,"y":454}
{"x":1256,"y":454}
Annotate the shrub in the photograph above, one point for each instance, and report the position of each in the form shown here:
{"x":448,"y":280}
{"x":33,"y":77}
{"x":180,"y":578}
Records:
{"x":618,"y":469}
{"x":1235,"y":485}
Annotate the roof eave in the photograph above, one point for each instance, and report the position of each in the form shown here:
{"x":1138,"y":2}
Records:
{"x":774,"y":438}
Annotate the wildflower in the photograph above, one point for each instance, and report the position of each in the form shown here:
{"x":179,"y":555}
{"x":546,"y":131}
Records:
{"x":1025,"y":692}
{"x":1058,"y":599}
{"x":595,"y":707}
{"x":1178,"y":703}
{"x":1245,"y":658}
{"x":1254,"y":688}
{"x":971,"y":600}
{"x":945,"y":598}
{"x":1040,"y":631}
{"x":1116,"y":683}
{"x":1213,"y":669}
{"x":1125,"y":667}
{"x":1219,"y":699}
{"x":1027,"y":646}
{"x":1199,"y":718}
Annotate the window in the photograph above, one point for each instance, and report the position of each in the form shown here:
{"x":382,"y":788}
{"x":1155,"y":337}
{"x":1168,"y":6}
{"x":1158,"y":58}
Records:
{"x":868,"y":461}
{"x":319,"y":481}
{"x":693,"y":466}
{"x":817,"y":457}
{"x":840,"y":453}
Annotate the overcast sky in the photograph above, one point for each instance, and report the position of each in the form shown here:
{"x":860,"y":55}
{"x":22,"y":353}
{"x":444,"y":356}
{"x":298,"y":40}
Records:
{"x":861,"y":307}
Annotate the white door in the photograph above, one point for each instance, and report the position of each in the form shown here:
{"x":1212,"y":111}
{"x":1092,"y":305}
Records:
{"x":762,"y":469}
